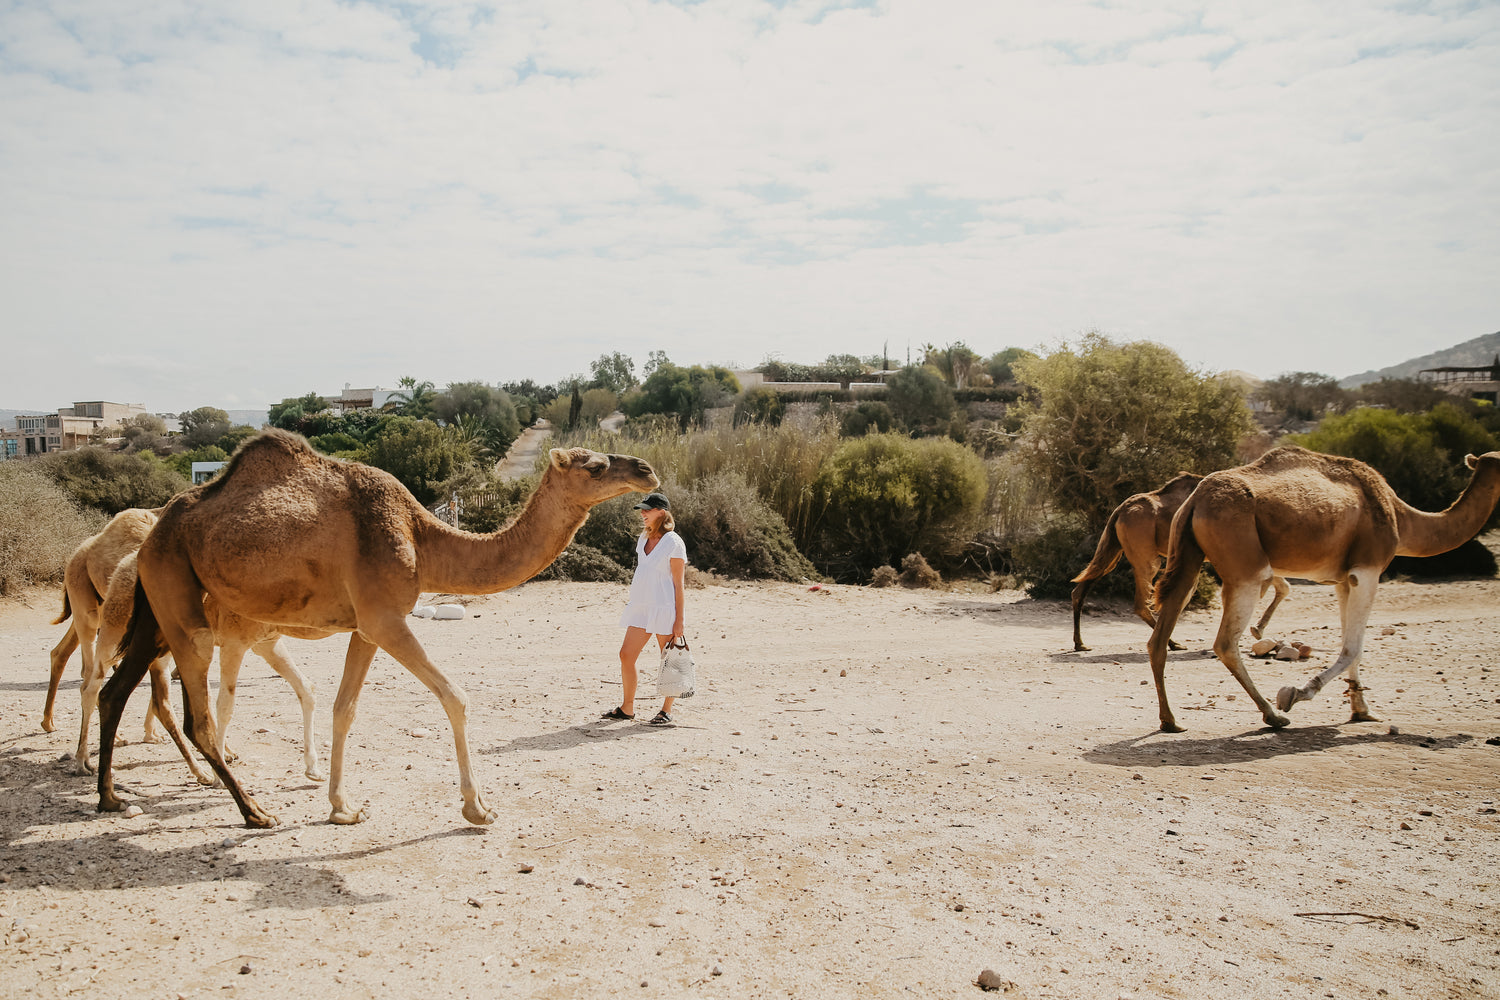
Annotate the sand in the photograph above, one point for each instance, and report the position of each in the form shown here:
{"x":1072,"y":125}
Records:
{"x":874,"y":793}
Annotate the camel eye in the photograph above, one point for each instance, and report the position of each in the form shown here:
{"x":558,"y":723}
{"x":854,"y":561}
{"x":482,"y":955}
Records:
{"x":596,"y":467}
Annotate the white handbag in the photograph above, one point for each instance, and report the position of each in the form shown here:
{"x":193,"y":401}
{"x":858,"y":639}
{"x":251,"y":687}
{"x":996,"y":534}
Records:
{"x":675,"y":679}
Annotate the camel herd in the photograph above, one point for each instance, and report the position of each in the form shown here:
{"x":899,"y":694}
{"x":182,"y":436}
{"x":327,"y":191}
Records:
{"x":288,"y":542}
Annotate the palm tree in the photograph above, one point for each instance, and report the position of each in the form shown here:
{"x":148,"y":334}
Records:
{"x":414,"y":399}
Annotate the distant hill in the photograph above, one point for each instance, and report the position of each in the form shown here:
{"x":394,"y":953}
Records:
{"x":252,"y":417}
{"x":8,"y":417}
{"x":1471,"y":353}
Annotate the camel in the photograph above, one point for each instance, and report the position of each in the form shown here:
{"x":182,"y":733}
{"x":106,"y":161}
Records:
{"x":234,"y":636}
{"x":295,"y":539}
{"x":1325,"y":518}
{"x":1138,"y":529}
{"x":85,"y":580}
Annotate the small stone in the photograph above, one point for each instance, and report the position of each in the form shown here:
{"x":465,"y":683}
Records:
{"x":526,"y":869}
{"x":1264,"y":647}
{"x":475,"y":903}
{"x":843,"y":673}
{"x":421,"y":734}
{"x":244,"y":970}
{"x":990,"y":980}
{"x":654,"y":923}
{"x":131,"y":812}
{"x":1137,"y":776}
{"x":579,"y":881}
{"x":230,"y":842}
{"x":1395,"y":730}
{"x":716,"y":971}
{"x":1288,"y":652}
{"x":1405,"y":825}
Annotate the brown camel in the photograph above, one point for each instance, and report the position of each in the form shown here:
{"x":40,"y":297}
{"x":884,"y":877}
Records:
{"x":1138,"y":529}
{"x":85,"y":580}
{"x":1298,"y":513}
{"x":234,"y":636}
{"x":295,"y":539}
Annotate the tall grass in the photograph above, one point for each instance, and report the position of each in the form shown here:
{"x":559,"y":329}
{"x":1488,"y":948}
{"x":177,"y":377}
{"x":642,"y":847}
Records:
{"x":40,"y":526}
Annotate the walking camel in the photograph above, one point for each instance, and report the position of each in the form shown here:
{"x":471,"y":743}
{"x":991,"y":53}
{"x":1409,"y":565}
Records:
{"x":234,"y":636}
{"x":85,"y":581}
{"x":1139,"y":529}
{"x":295,"y":539}
{"x":1295,"y":512}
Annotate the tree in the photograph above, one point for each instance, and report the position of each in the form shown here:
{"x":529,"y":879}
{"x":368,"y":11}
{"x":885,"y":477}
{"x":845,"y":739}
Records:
{"x":1109,"y":420}
{"x":145,"y":432}
{"x":957,"y":362}
{"x":655,"y":361}
{"x":420,"y":454}
{"x":613,"y":371}
{"x":487,"y":410}
{"x":1303,"y":395}
{"x":289,"y":413}
{"x":413,"y":399}
{"x":683,"y":392}
{"x":761,"y":405}
{"x":111,"y":481}
{"x":870,"y":416}
{"x":1000,"y":365}
{"x":203,"y":426}
{"x":919,"y":399}
{"x":1406,"y":395}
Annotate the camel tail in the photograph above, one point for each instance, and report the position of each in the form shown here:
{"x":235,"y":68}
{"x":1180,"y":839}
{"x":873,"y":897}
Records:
{"x":1106,"y":554}
{"x":1184,"y":559}
{"x":142,"y":620}
{"x":67,"y":611}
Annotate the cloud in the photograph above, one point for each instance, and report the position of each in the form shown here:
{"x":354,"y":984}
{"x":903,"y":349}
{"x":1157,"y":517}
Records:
{"x":299,"y":196}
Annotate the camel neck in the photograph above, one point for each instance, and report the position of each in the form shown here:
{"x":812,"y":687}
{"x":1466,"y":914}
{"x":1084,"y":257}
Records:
{"x":458,"y":562}
{"x":1424,"y":533}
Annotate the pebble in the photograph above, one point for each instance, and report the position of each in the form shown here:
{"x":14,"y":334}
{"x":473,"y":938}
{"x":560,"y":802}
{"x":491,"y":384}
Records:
{"x":989,"y":979}
{"x":230,"y":842}
{"x":1395,"y":730}
{"x":421,"y":734}
{"x":579,"y":881}
{"x":1264,"y":647}
{"x":716,"y":971}
{"x":131,"y":812}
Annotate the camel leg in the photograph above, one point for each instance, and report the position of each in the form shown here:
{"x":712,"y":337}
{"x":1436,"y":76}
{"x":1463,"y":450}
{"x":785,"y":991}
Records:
{"x":398,"y":640}
{"x":59,"y":656}
{"x":1145,"y":575}
{"x":1239,"y":604}
{"x":1079,"y":593}
{"x":1282,"y":590}
{"x":274,"y":652}
{"x":231,"y":659}
{"x":1356,"y":598}
{"x":1172,"y":602}
{"x":161,"y":707}
{"x":112,"y":700}
{"x":356,"y":668}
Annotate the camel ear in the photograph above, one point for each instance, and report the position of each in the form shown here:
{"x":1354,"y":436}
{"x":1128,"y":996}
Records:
{"x":559,"y":458}
{"x":1471,"y":461}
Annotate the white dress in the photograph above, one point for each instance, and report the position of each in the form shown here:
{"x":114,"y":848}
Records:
{"x":653,"y":599}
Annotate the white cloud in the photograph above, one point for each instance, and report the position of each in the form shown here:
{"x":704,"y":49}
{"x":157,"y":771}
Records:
{"x":292,"y":196}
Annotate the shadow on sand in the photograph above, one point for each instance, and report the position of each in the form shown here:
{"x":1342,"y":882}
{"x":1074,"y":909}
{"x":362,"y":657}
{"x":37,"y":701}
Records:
{"x":1171,"y":750}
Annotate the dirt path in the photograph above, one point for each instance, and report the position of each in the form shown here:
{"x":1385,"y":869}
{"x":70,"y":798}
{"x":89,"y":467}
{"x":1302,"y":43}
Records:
{"x":875,"y":793}
{"x":520,"y":460}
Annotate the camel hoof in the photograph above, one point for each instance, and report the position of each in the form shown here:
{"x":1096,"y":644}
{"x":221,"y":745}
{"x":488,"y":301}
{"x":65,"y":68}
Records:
{"x":1277,"y":721}
{"x":479,"y":814}
{"x":344,"y":817}
{"x":47,"y":725}
{"x":1286,"y":698}
{"x":1364,"y":717}
{"x":1172,"y":727}
{"x":1175,"y":645}
{"x":209,"y":780}
{"x":261,"y":821}
{"x":110,"y":804}
{"x":150,"y":738}
{"x":1078,"y":647}
{"x":82,"y":766}
{"x":1255,"y":632}
{"x":314,"y":774}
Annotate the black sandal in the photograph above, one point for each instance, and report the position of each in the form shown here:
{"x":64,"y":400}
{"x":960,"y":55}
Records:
{"x":661,"y":719}
{"x":616,"y":715}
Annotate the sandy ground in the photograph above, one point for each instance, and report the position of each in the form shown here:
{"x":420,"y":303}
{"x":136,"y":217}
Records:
{"x":873,"y":794}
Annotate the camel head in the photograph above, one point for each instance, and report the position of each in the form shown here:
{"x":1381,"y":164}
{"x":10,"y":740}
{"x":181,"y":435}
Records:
{"x":595,"y":478}
{"x":1472,"y":461}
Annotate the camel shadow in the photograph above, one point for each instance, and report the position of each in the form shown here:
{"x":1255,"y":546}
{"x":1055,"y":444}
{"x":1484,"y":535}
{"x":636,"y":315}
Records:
{"x":1167,"y":750}
{"x":41,"y":685}
{"x":576,"y":736}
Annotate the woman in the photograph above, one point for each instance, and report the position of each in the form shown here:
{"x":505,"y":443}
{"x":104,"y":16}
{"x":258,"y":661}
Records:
{"x":656,"y":598}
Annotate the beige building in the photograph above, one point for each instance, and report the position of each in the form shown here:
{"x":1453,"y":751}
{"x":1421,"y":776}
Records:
{"x":70,"y":427}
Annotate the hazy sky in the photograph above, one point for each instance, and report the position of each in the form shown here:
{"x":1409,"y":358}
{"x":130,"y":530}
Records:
{"x":227,"y":203}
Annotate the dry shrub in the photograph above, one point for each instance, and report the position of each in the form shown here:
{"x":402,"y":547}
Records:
{"x":916,"y":574}
{"x":585,"y":564}
{"x":40,"y":526}
{"x":884,"y":576}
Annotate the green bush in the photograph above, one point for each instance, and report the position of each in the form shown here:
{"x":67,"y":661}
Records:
{"x":920,"y":400}
{"x":731,"y":531}
{"x":182,"y":462}
{"x":585,"y":564}
{"x":881,"y":497}
{"x":420,"y":455}
{"x":40,"y":526}
{"x":111,"y":481}
{"x":869,"y":416}
{"x":759,"y":406}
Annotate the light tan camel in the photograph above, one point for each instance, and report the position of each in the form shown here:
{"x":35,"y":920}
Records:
{"x":234,"y":636}
{"x":1139,"y":529}
{"x":85,"y":580}
{"x":294,"y":539}
{"x":1318,"y":517}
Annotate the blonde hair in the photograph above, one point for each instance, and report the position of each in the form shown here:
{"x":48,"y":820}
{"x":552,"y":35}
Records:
{"x":668,"y":522}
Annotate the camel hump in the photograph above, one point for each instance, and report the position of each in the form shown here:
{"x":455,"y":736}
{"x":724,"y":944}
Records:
{"x":267,"y":452}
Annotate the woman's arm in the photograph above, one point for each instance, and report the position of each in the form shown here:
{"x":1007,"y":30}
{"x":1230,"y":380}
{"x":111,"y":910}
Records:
{"x":679,"y":569}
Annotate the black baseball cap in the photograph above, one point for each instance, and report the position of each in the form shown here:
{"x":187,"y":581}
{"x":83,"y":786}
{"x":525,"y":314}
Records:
{"x":654,"y":501}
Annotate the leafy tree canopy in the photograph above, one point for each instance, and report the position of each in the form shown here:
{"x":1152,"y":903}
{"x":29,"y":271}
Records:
{"x":112,"y":481}
{"x":289,"y":413}
{"x":613,"y":371}
{"x":683,"y":392}
{"x":1303,"y":395}
{"x":1109,"y":420}
{"x":920,"y":399}
{"x":1000,"y":365}
{"x":486,"y":411}
{"x":420,"y":454}
{"x":203,"y":426}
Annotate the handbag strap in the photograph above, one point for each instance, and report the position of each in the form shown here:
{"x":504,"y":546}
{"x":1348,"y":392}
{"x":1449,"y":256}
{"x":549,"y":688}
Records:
{"x":680,"y":642}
